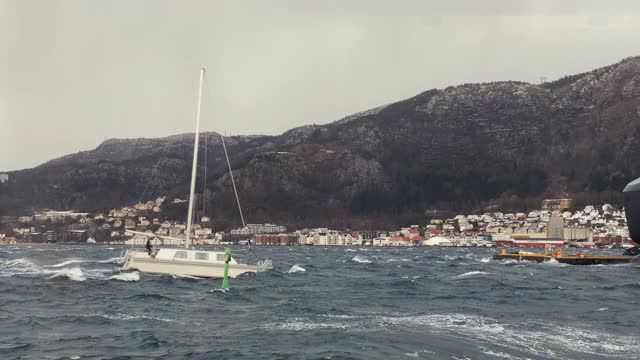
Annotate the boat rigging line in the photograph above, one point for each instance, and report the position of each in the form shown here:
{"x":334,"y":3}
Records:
{"x":204,"y":176}
{"x":233,"y":181}
{"x":226,"y":155}
{"x":154,"y":170}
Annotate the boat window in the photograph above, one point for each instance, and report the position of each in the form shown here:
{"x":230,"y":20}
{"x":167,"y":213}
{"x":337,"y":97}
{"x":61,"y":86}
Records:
{"x":202,"y":256}
{"x":181,"y":255}
{"x":219,"y":257}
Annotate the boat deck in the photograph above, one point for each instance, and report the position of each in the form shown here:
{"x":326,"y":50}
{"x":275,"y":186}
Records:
{"x":522,"y":256}
{"x":594,"y":260}
{"x":577,"y":259}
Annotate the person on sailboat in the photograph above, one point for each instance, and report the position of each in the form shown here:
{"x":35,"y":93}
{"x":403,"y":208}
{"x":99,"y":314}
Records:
{"x":149,"y":246}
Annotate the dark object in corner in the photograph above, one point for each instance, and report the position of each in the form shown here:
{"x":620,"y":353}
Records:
{"x":634,"y":251}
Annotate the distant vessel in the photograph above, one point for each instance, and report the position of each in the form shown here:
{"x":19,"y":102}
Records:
{"x":188,"y":261}
{"x":573,"y":259}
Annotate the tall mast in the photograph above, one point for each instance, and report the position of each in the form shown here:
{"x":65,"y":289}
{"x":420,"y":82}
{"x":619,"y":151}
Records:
{"x":195,"y":164}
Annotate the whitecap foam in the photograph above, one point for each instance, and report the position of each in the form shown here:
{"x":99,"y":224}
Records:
{"x":498,"y":355}
{"x":19,"y":267}
{"x":509,"y":261}
{"x":126,"y":317}
{"x":129,"y":276}
{"x":350,"y":250}
{"x":220,"y":290}
{"x":74,"y":274}
{"x":551,"y":341}
{"x":113,"y":260}
{"x":299,"y":325}
{"x":296,"y":268}
{"x":65,"y":263}
{"x":553,"y":262}
{"x":472,"y":273}
{"x":361,"y":259}
{"x":445,"y":321}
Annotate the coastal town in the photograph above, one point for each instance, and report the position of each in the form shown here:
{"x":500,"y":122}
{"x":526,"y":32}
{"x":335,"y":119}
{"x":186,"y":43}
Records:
{"x":558,"y":223}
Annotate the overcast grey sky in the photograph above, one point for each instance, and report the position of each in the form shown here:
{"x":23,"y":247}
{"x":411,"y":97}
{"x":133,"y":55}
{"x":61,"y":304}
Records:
{"x":74,"y":73}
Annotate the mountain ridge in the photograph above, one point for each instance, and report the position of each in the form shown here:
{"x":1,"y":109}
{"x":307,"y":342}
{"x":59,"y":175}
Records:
{"x":463,"y":147}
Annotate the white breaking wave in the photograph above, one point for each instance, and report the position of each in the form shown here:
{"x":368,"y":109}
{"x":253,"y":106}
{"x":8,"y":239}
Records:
{"x":350,"y":250}
{"x":24,"y":267}
{"x":471,"y":273}
{"x":130,"y":317}
{"x":361,"y":259}
{"x":131,"y":276}
{"x":74,"y":274}
{"x":19,"y":267}
{"x":68,"y":262}
{"x":296,"y":268}
{"x":301,"y":325}
{"x":113,"y":260}
{"x":553,"y":262}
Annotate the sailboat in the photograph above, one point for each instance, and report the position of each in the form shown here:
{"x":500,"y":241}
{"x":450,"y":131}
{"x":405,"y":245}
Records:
{"x":188,"y":261}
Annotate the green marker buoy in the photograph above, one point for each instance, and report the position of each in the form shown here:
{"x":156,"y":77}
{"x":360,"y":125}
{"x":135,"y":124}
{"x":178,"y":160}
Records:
{"x":227,"y":258}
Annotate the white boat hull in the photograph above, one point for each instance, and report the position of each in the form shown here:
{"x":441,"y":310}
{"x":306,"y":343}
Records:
{"x":160,"y":264}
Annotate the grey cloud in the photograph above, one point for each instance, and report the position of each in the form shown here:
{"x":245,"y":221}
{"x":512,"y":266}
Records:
{"x":77,"y":72}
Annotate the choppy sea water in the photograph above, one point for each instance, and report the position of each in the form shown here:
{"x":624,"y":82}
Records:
{"x":71,"y":302}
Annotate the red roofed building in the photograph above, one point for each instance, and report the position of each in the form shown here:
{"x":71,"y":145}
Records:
{"x":400,"y":241}
{"x":418,"y":240}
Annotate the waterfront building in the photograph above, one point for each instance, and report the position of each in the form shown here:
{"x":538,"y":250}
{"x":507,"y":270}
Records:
{"x":574,"y":233}
{"x":252,"y":229}
{"x":555,"y":228}
{"x":140,"y":206}
{"x":129,"y":224}
{"x":557,"y":204}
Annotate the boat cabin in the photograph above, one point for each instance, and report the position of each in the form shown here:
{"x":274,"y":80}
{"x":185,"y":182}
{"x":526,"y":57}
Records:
{"x":176,"y":254}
